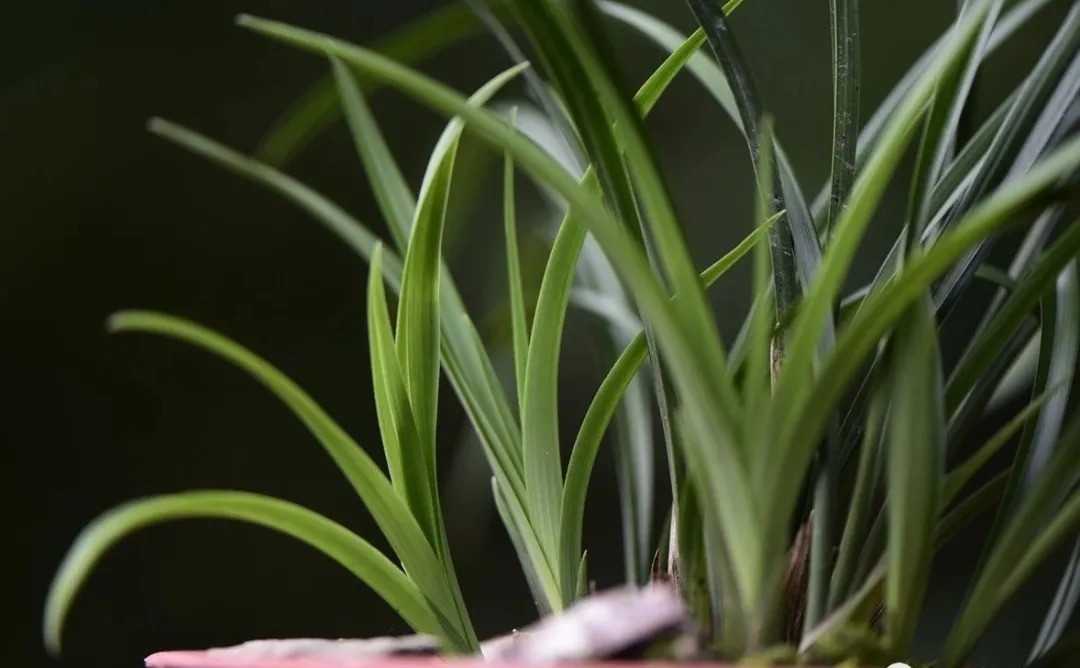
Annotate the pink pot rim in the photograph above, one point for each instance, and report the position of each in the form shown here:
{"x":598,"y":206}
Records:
{"x":202,"y":659}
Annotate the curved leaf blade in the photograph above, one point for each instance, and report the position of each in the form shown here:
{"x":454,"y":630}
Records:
{"x":330,"y":538}
{"x":390,"y":512}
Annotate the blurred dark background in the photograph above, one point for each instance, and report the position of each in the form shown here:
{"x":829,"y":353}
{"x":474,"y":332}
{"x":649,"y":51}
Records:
{"x":97,"y":215}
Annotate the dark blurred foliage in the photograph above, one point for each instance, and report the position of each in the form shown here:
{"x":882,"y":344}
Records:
{"x":98,"y":215}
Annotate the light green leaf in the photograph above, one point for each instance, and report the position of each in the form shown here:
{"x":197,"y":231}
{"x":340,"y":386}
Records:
{"x":397,"y":426}
{"x":330,"y":538}
{"x":337,"y":220}
{"x":519,"y":322}
{"x":539,"y":417}
{"x":392,"y":193}
{"x":537,"y":574}
{"x":916,"y":456}
{"x":389,"y":511}
{"x":606,"y":400}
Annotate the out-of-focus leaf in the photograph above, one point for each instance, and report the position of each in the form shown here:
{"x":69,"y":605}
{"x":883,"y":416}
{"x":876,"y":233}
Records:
{"x":337,"y":220}
{"x":796,"y":392}
{"x":1061,"y":369}
{"x":1048,"y":515}
{"x":915,"y":453}
{"x":318,"y":108}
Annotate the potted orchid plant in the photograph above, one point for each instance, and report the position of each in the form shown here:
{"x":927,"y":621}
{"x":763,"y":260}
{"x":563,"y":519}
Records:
{"x":817,"y":462}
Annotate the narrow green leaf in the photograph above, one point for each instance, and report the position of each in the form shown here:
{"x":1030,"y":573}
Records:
{"x":1031,"y":289}
{"x":1049,"y":514}
{"x":1014,"y":150}
{"x":583,"y":576}
{"x":518,"y":320}
{"x":943,"y":122}
{"x":330,"y":538}
{"x":846,"y":57}
{"x":961,"y":475}
{"x":537,"y":574}
{"x":423,"y":297}
{"x":761,"y":365}
{"x":572,"y":48}
{"x":397,"y":426}
{"x":604,"y":403}
{"x":863,"y":601}
{"x":540,"y":437}
{"x":401,"y":529}
{"x":712,"y":19}
{"x":709,"y":74}
{"x":467,"y":364}
{"x":916,"y":448}
{"x":337,"y":220}
{"x":1061,"y":369}
{"x":1061,"y":609}
{"x":1015,"y":19}
{"x":795,"y":445}
{"x":866,"y":479}
{"x":687,"y":338}
{"x":392,"y":193}
{"x":466,"y":361}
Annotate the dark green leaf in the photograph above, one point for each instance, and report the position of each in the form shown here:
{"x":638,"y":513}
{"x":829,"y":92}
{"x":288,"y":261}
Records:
{"x":318,"y":108}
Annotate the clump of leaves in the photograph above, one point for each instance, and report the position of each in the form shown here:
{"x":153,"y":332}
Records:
{"x":819,"y":460}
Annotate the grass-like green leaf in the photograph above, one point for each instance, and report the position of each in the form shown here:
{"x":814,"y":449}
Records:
{"x":1048,"y":515}
{"x":519,"y":322}
{"x":859,"y":506}
{"x":881,"y":310}
{"x":605,"y":401}
{"x":540,"y":395}
{"x":330,"y":538}
{"x":539,"y":419}
{"x":1016,"y":18}
{"x":397,"y":425}
{"x":713,"y":20}
{"x":690,"y":339}
{"x":390,"y":512}
{"x":794,"y":444}
{"x":319,"y":107}
{"x":467,"y":364}
{"x":940,"y":132}
{"x":1019,"y":304}
{"x":846,"y":58}
{"x":538,"y":575}
{"x":958,"y":477}
{"x":915,"y":454}
{"x":1016,"y":147}
{"x":350,"y":230}
{"x":861,"y":604}
{"x":392,"y":193}
{"x":432,"y":296}
{"x":1061,"y":609}
{"x":1060,"y":369}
